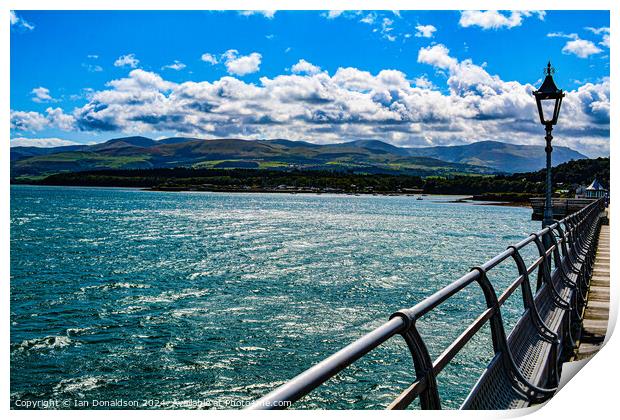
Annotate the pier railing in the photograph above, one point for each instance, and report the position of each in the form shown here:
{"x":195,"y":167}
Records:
{"x":562,"y":207}
{"x":526,"y":364}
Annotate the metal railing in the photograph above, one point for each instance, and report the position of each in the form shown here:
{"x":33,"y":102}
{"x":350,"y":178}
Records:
{"x":564,"y":240}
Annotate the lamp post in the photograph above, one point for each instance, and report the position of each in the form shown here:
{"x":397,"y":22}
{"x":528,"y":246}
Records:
{"x":548,"y":100}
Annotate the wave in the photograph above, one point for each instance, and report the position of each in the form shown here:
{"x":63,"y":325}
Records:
{"x":111,"y":286}
{"x":45,"y":343}
{"x":170,"y":296}
{"x":79,"y":385}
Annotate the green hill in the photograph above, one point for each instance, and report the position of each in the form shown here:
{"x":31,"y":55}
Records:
{"x":363,"y":156}
{"x":144,"y":153}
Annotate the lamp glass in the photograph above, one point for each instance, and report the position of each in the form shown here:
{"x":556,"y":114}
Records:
{"x":548,"y":109}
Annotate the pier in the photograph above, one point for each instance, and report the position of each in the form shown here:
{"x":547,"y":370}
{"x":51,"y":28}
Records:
{"x":562,"y":207}
{"x":596,"y":314}
{"x":563,"y":295}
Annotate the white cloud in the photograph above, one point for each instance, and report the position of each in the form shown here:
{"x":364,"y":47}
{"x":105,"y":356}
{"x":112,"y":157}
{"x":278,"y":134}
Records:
{"x":425,"y":31}
{"x":381,"y":22}
{"x":18,"y":22}
{"x":127,"y":60}
{"x":41,"y":95}
{"x":93,"y":68}
{"x":386,"y":29}
{"x":598,"y":31}
{"x":369,"y":19}
{"x":423,"y":82}
{"x":41,"y":142}
{"x":581,"y":48}
{"x":436,"y":55}
{"x":28,"y":121}
{"x":22,"y":121}
{"x":209,"y":58}
{"x":241,"y":64}
{"x":141,"y":80}
{"x":269,"y":14}
{"x":57,"y":118}
{"x":604,"y":32}
{"x":333,"y":14}
{"x":492,"y":19}
{"x":605,"y":41}
{"x":176,"y":65}
{"x":303,"y":66}
{"x":473,"y":105}
{"x":562,"y":35}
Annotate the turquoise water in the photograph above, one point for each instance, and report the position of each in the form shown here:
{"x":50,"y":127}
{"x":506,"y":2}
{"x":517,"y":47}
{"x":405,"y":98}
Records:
{"x":162,"y":299}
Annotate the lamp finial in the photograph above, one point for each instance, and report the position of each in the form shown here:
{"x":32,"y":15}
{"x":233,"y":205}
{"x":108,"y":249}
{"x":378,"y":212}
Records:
{"x":549,"y":70}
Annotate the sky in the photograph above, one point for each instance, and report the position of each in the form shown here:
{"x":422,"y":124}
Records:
{"x":409,"y":78}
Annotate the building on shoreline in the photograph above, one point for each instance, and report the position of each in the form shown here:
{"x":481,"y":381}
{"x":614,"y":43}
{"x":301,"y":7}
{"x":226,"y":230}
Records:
{"x":594,"y":190}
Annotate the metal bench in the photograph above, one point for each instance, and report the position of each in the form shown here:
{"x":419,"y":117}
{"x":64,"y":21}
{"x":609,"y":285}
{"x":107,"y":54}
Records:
{"x":526,"y":365}
{"x":538,"y":350}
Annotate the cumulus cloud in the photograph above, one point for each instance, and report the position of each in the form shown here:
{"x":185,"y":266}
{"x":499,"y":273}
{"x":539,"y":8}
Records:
{"x":436,"y":55}
{"x":31,"y":121}
{"x":303,"y":66}
{"x":350,"y":103}
{"x":57,"y":118}
{"x":41,"y":142}
{"x":41,"y":95}
{"x":581,"y":48}
{"x":423,"y":82}
{"x":209,"y":58}
{"x":128,"y":60}
{"x":28,"y":121}
{"x":18,"y":22}
{"x":241,"y":64}
{"x":493,"y":19}
{"x":176,"y":65}
{"x":425,"y":31}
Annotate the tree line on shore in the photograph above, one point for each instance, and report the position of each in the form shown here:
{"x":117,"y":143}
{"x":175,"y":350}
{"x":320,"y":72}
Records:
{"x":513,"y":187}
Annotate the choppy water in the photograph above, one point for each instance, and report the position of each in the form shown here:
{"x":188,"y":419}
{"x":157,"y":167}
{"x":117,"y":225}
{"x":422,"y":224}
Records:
{"x":168,"y":298}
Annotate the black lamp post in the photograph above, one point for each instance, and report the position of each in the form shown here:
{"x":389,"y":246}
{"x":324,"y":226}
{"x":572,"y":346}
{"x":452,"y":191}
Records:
{"x":548,"y":100}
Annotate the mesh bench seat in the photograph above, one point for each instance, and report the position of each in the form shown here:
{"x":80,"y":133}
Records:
{"x":525,"y":380}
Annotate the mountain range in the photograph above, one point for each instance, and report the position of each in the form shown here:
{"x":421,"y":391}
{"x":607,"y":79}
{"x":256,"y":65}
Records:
{"x":374,"y":156}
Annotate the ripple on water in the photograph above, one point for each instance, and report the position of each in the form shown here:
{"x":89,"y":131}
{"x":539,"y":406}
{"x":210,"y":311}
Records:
{"x":41,"y":344}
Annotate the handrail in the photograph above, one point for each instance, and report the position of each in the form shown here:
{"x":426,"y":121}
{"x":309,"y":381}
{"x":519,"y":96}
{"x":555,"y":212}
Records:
{"x":569,"y":241}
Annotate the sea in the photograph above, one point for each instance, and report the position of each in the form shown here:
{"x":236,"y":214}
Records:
{"x":125,"y":298}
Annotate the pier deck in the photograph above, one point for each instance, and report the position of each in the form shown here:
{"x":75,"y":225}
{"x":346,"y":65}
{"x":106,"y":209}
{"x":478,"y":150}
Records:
{"x":596,"y":314}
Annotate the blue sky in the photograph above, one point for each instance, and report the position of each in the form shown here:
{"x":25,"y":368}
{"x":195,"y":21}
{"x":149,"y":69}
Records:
{"x":412,"y":78}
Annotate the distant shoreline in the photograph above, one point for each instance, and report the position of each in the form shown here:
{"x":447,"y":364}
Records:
{"x":459,"y":198}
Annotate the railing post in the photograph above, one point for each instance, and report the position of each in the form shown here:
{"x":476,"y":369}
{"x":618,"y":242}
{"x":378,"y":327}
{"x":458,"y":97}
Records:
{"x":422,"y":363}
{"x":498,"y":335}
